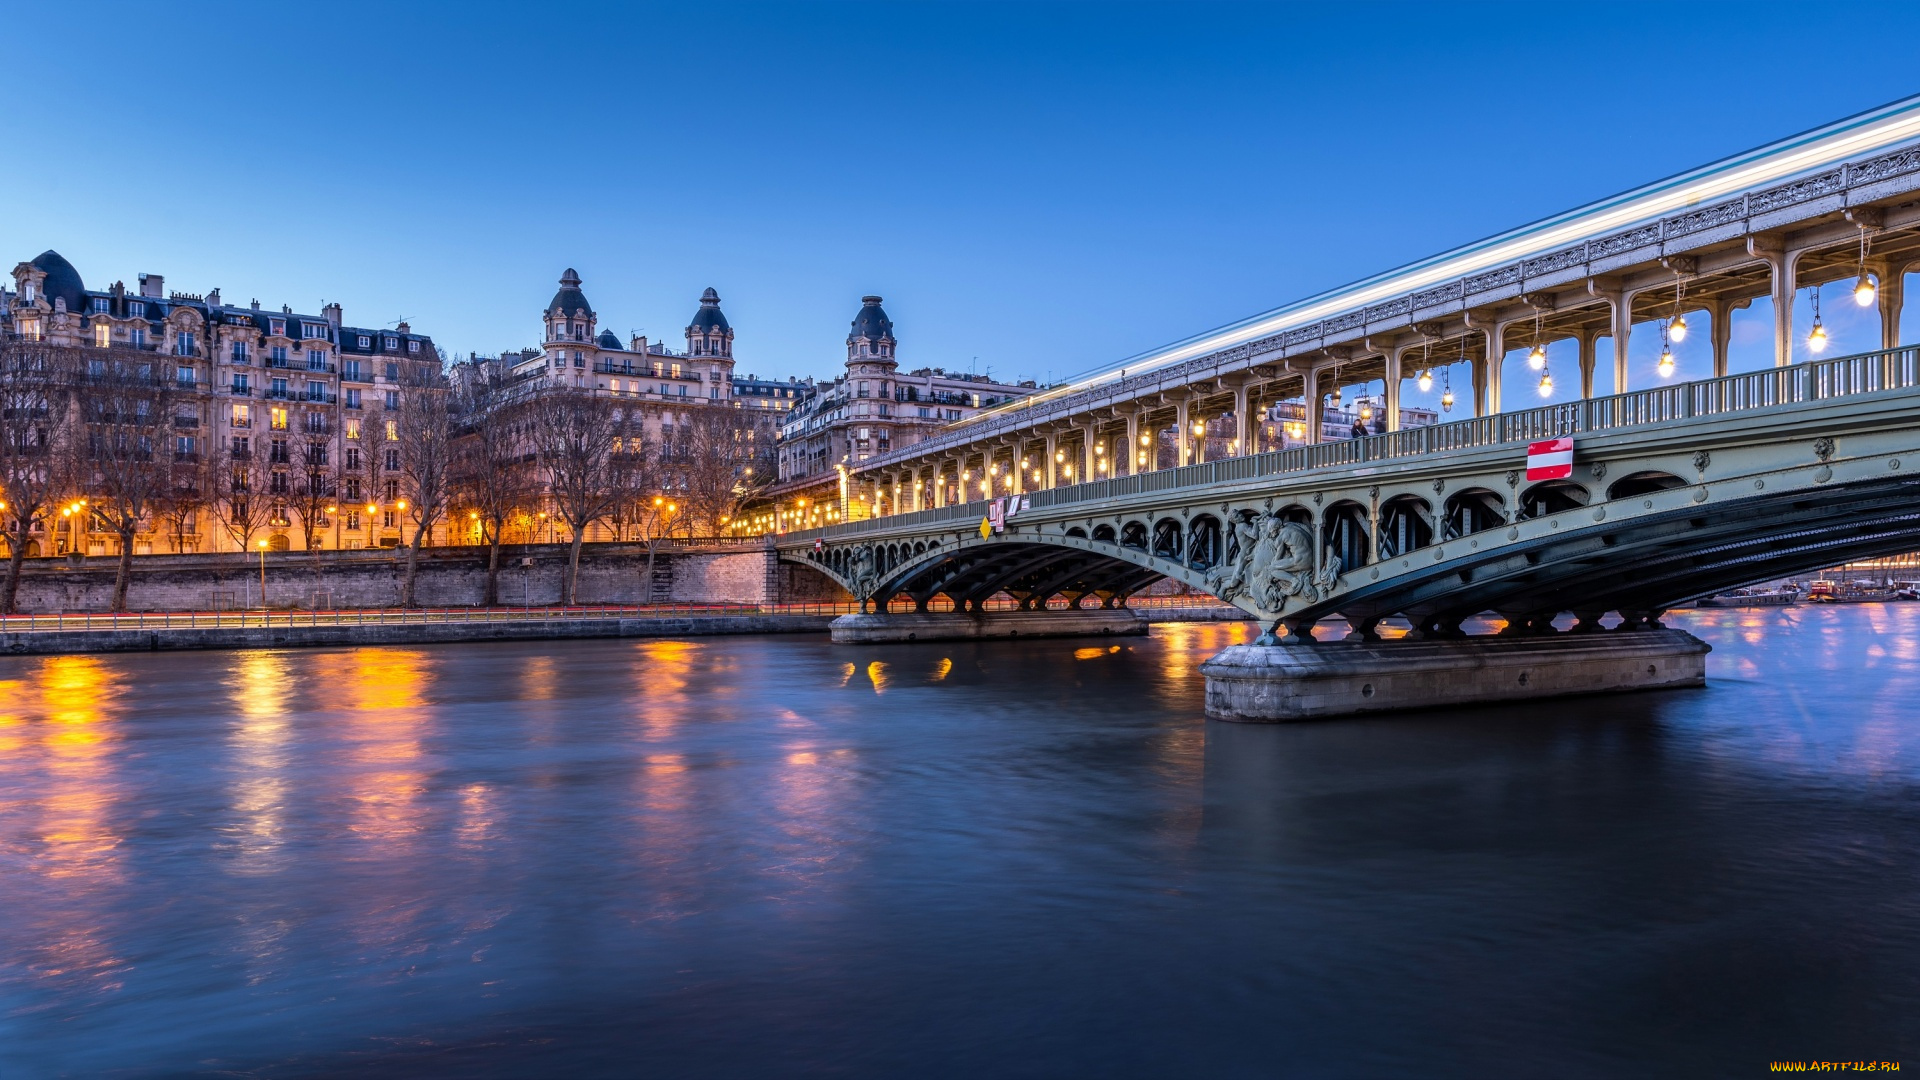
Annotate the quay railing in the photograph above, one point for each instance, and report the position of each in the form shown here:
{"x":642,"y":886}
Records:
{"x":1819,"y":380}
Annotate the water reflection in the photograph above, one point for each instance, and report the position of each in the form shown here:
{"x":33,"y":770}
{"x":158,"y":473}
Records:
{"x":777,"y":856}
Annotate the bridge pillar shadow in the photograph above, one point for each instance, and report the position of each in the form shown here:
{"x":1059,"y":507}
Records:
{"x":969,"y":625}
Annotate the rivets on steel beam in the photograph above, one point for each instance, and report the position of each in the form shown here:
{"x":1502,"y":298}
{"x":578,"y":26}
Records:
{"x":1822,"y":474}
{"x":1894,"y":464}
{"x":1759,"y":484}
{"x":1513,"y":533}
{"x":1699,"y":494}
{"x":1600,"y":514}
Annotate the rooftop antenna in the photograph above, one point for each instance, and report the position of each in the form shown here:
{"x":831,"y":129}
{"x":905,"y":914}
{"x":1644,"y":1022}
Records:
{"x":396,"y":323}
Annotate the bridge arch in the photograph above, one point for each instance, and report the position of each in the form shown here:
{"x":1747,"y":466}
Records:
{"x":1551,"y":497}
{"x":1644,"y":483}
{"x":1166,"y":538}
{"x":1472,"y":510}
{"x":1346,"y":534}
{"x":1406,"y":524}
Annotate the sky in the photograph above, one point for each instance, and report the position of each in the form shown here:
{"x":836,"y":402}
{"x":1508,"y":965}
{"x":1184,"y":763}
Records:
{"x":1036,"y":190}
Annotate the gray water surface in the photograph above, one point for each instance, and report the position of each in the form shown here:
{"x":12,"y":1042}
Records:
{"x":776,"y":857}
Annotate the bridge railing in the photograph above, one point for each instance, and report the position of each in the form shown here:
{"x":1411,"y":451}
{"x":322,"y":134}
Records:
{"x":1818,"y":380}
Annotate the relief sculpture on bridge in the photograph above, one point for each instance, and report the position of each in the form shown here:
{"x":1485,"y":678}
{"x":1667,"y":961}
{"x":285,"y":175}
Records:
{"x":1270,"y":561}
{"x":865,"y":576}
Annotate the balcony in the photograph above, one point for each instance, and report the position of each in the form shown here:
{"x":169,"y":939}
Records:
{"x":317,"y":396}
{"x":239,"y":390}
{"x":275,"y":393}
{"x":186,"y":422}
{"x":186,"y":455}
{"x":326,"y":368}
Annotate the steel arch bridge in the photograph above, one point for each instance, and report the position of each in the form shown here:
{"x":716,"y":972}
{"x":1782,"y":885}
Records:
{"x":1676,"y":493}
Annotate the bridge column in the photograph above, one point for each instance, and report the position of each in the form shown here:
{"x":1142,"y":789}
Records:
{"x":1243,"y":426}
{"x":1486,"y":375}
{"x":1392,"y":405}
{"x":1182,"y":411}
{"x":1134,"y":464}
{"x":1016,"y":461}
{"x":939,"y":484}
{"x":1089,"y":437}
{"x":1053,"y":459}
{"x":1587,"y":339}
{"x":1890,"y":297}
{"x":1781,"y":265}
{"x":1316,"y":405}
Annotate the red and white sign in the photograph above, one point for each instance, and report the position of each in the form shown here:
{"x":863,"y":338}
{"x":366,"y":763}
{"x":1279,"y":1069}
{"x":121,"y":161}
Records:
{"x":1550,"y":460}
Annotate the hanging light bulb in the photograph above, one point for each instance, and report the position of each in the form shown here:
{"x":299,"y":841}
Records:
{"x":1817,"y":340}
{"x":1546,"y":384}
{"x":1666,"y":363}
{"x":1366,"y":408}
{"x":1426,"y":380}
{"x":1863,"y":293}
{"x":1537,"y":359}
{"x":1446,"y":400}
{"x":1677,"y":329}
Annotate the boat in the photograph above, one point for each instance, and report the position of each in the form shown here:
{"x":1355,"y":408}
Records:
{"x":1850,"y":592}
{"x":1751,"y":598}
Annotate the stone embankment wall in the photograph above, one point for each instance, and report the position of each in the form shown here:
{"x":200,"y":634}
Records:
{"x":448,"y":577}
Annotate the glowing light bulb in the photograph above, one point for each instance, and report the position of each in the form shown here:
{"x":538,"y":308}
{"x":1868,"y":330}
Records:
{"x":1426,"y":381}
{"x":1537,"y":359}
{"x":1666,"y":363}
{"x":1677,"y":329}
{"x":1446,"y":401}
{"x":1817,"y":340}
{"x":1546,"y":384}
{"x":1366,"y":410}
{"x":1864,"y":292}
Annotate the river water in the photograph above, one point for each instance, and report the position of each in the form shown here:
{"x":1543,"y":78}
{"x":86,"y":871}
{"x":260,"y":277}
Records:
{"x":773,"y":856}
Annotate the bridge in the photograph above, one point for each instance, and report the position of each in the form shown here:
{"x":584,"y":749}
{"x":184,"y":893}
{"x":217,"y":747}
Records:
{"x":1676,"y":491}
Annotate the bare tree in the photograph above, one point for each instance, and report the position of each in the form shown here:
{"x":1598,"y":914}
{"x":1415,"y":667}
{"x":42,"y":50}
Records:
{"x":315,"y":495}
{"x":126,"y":405}
{"x":36,"y":428}
{"x":727,"y":459}
{"x":363,"y":471}
{"x":240,"y":486}
{"x":426,"y":462}
{"x":587,"y":452}
{"x":190,"y":485}
{"x":491,"y":473}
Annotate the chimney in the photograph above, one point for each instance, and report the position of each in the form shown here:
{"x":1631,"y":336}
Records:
{"x":332,"y":314}
{"x":256,"y":303}
{"x":638,"y":343}
{"x":152,"y":284}
{"x":213,"y":298}
{"x":403,"y":327}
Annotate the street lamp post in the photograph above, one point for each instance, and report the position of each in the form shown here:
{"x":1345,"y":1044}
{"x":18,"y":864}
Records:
{"x":263,"y":574}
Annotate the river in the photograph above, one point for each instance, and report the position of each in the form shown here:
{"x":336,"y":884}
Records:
{"x":772,"y":856}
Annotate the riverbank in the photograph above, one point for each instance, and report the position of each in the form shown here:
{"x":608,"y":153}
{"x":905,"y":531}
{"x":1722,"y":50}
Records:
{"x":71,"y":634}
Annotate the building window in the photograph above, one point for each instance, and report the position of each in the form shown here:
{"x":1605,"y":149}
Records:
{"x":353,"y":398}
{"x":239,"y":352}
{"x":413,"y":346}
{"x":278,"y":420}
{"x":242,"y":416}
{"x":393,"y":493}
{"x":242,"y":447}
{"x":277,"y":453}
{"x":392,"y":344}
{"x":278,"y":388}
{"x":102,"y":335}
{"x":278,"y":354}
{"x":30,"y":329}
{"x":313,"y":330}
{"x":184,"y":375}
{"x":393,"y":431}
{"x":393,"y":399}
{"x":353,"y":429}
{"x":27,"y":293}
{"x":353,"y":482}
{"x":316,"y":391}
{"x":137,"y":337}
{"x":316,"y":453}
{"x":183,"y":448}
{"x":316,"y":360}
{"x":393,"y":372}
{"x":393,"y":461}
{"x":387,"y":516}
{"x":353,"y":518}
{"x":137,"y":309}
{"x":676,"y":371}
{"x":98,"y":305}
{"x":366,"y":342}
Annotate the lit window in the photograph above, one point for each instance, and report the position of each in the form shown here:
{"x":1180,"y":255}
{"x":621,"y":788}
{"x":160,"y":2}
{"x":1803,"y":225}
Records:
{"x":353,"y":429}
{"x":102,"y":335}
{"x":279,"y":419}
{"x":393,"y":431}
{"x":243,"y":416}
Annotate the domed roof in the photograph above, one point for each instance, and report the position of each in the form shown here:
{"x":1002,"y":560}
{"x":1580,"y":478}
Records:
{"x":607,"y":340}
{"x":709,"y":318}
{"x":62,"y":279}
{"x":872,"y":322}
{"x":569,"y":300}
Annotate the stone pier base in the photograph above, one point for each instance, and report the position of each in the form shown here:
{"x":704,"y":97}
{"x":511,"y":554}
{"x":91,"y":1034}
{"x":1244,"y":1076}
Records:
{"x":1299,"y":682}
{"x":960,"y":626}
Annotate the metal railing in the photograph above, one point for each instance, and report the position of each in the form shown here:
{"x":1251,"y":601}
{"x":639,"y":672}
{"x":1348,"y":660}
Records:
{"x":1818,"y":380}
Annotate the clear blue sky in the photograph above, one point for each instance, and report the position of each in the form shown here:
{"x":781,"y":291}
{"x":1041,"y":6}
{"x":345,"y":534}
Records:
{"x":1046,"y":188}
